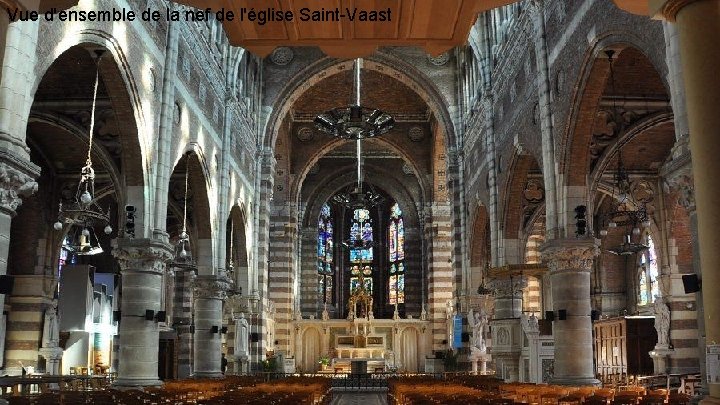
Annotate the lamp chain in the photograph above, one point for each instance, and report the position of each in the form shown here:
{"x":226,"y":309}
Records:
{"x":187,"y":171}
{"x":92,"y":115}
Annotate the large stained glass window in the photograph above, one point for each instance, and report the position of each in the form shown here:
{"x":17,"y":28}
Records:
{"x":325,"y":253}
{"x":648,"y":274}
{"x":361,"y":250}
{"x":396,"y":252}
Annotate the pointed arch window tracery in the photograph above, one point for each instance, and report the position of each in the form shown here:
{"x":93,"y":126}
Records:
{"x":325,"y":254}
{"x":396,"y":256}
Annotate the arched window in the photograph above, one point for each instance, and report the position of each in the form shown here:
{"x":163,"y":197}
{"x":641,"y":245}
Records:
{"x":361,"y":251}
{"x":396,"y":253}
{"x":325,"y":253}
{"x":648,"y":274}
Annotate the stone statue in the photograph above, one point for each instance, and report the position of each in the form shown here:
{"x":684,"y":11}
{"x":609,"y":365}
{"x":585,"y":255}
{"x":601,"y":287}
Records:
{"x":242,"y":336}
{"x":51,"y":327}
{"x":662,"y":321}
{"x":477,"y":321}
{"x":450,"y":317}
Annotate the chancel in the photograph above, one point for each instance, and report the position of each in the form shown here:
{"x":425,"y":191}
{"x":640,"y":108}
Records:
{"x":291,"y":201}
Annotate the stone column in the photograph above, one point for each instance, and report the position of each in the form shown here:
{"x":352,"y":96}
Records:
{"x":142,"y":263}
{"x":570,"y":262}
{"x":210,"y":291}
{"x":506,"y":330}
{"x":17,"y":180}
{"x":508,"y":296}
{"x":697,"y":25}
{"x":182,"y":318}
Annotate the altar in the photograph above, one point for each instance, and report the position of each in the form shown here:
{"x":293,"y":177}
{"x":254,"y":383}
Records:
{"x":332,"y":345}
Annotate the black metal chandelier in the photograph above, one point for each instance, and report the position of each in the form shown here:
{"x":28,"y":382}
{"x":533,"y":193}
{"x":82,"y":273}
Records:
{"x":626,"y":212}
{"x":355,"y":121}
{"x":84,"y":213}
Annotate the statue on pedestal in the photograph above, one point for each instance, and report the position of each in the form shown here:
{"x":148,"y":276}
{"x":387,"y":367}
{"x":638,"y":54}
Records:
{"x":662,"y":322}
{"x":51,"y":326}
{"x":242,"y":336}
{"x":478,"y":321}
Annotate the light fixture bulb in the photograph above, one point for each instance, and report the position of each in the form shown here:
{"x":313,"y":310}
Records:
{"x":636,"y":231}
{"x":108,"y":230}
{"x":85,"y":197}
{"x":603,"y":232}
{"x":183,"y":253}
{"x":612,"y":225}
{"x":86,"y":232}
{"x":58,"y":226}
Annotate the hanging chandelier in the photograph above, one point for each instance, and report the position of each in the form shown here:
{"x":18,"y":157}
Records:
{"x":183,"y":253}
{"x":626,"y":212}
{"x":84,"y":213}
{"x":355,"y":121}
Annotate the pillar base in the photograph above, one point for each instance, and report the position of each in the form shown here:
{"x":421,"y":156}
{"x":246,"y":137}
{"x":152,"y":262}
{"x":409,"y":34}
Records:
{"x":209,"y":374}
{"x":132,"y":383}
{"x":576,"y":381}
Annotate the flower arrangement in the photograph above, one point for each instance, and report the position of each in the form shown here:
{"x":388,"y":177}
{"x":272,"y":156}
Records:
{"x":324,"y":361}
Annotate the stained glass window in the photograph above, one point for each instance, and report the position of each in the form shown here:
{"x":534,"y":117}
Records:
{"x":648,"y":274}
{"x":325,"y":252}
{"x":396,"y":253}
{"x":361,"y":237}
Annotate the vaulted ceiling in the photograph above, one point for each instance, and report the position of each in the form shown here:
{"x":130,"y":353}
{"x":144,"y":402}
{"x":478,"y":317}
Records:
{"x":434,"y":25}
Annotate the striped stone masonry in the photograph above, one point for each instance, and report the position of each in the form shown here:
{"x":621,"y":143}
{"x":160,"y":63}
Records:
{"x":441,"y":275}
{"x":282,"y":268}
{"x":182,"y":318}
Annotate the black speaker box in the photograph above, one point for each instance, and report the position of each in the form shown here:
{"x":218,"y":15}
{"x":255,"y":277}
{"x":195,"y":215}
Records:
{"x":149,"y":314}
{"x":550,"y":315}
{"x":224,"y":329}
{"x":691,"y":283}
{"x":116,"y":316}
{"x":254,"y":337}
{"x":161,"y":316}
{"x":562,"y":314}
{"x":6,"y":284}
{"x":214,"y":329}
{"x":465,"y":337}
{"x":595,"y":315}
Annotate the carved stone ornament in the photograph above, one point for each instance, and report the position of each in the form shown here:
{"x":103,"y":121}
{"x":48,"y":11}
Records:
{"x":282,"y":56}
{"x":235,"y":305}
{"x":685,"y":187}
{"x":416,"y":134}
{"x":142,"y":255}
{"x":570,"y":254}
{"x":534,"y":193}
{"x":305,"y":134}
{"x":508,"y":287}
{"x":439,"y":60}
{"x":14,"y":184}
{"x":212,"y":287}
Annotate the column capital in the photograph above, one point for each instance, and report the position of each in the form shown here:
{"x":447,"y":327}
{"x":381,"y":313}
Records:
{"x":668,"y":9}
{"x":142,"y":255}
{"x":683,"y":183}
{"x":212,"y":287}
{"x":570,"y":254}
{"x":511,"y":287}
{"x":17,"y":180}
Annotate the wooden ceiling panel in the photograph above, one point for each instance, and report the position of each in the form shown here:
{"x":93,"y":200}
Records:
{"x":252,"y":30}
{"x":434,"y":25}
{"x":378,"y":29}
{"x":436,"y":19}
{"x":313,"y":29}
